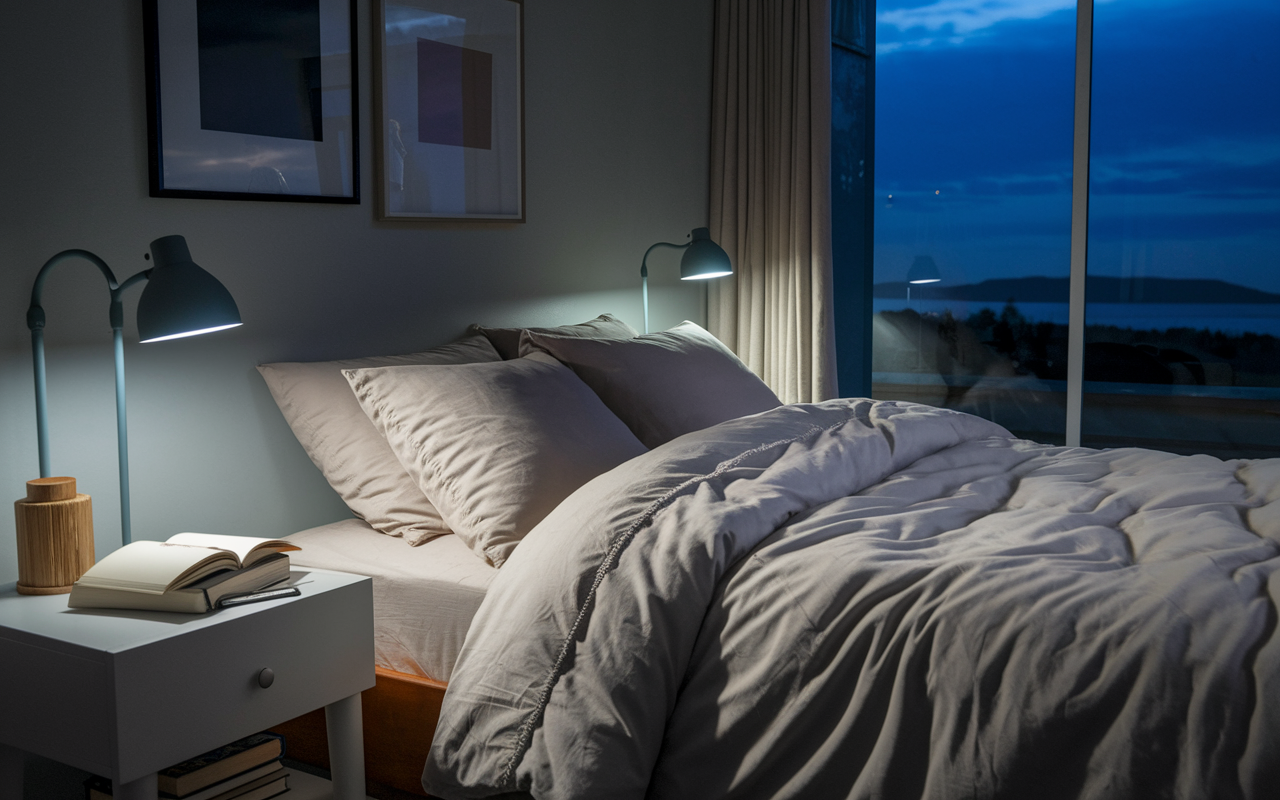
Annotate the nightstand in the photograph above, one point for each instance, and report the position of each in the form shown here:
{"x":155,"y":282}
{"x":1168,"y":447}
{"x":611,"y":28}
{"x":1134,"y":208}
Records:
{"x":127,"y":693}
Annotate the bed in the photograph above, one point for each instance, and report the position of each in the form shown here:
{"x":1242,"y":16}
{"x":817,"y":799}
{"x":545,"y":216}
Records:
{"x":847,"y":599}
{"x":424,"y":600}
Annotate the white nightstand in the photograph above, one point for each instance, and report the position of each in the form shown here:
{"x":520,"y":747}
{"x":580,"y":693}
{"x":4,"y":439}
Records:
{"x":127,"y":693}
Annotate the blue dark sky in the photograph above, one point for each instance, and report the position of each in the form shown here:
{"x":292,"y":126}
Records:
{"x":974,"y":134}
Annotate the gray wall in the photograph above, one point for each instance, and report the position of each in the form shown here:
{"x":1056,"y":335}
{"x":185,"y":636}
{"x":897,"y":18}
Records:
{"x":617,"y":119}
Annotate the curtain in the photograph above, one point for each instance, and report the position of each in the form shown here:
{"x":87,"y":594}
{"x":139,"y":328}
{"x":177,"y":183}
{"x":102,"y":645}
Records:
{"x":771,"y":192}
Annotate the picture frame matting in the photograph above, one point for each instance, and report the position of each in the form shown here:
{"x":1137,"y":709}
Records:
{"x":449,"y":110}
{"x":253,"y":99}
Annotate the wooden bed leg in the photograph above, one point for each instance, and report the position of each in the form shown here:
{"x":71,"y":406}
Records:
{"x":400,"y":714}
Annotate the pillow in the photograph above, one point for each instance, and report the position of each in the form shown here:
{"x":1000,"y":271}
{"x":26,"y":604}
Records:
{"x":662,"y":384}
{"x":350,"y":452}
{"x":495,"y":446}
{"x":605,"y":326}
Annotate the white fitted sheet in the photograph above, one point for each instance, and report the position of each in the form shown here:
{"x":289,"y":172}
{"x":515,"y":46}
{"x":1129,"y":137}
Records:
{"x":424,"y":597}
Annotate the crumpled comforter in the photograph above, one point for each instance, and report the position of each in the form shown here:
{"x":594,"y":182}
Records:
{"x":882,"y":600}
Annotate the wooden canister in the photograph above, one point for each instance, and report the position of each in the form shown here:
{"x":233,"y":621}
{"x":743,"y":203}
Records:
{"x":55,"y":536}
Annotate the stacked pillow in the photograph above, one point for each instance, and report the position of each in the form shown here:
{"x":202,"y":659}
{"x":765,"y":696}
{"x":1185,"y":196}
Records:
{"x":661,"y":384}
{"x":351,"y":453}
{"x":606,"y":326}
{"x":495,"y":446}
{"x":486,"y":446}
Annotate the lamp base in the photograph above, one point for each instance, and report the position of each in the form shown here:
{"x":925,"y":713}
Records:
{"x":22,"y":589}
{"x":55,"y":536}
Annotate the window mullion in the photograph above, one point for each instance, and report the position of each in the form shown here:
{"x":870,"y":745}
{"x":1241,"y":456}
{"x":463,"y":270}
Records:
{"x":1079,"y":221}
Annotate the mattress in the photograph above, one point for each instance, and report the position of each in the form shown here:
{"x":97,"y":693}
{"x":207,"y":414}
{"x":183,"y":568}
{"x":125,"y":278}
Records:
{"x":424,"y":597}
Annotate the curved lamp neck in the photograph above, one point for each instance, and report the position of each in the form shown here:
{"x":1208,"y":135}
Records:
{"x":36,"y":323}
{"x":644,"y":276}
{"x":35,"y":312}
{"x":644,"y":262}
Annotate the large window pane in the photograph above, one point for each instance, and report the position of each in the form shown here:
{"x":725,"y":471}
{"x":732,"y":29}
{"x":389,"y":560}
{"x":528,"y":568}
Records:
{"x":1183,"y":300}
{"x":973,"y":189}
{"x":851,"y":237}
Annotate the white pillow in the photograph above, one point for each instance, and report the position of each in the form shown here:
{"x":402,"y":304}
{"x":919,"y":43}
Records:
{"x":352,"y":455}
{"x":495,"y":446}
{"x":662,"y":384}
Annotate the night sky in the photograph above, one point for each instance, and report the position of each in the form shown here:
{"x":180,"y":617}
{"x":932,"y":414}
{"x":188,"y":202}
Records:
{"x":974,"y":134}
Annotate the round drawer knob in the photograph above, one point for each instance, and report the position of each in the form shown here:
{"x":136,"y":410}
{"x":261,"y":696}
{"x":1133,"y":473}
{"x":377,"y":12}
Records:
{"x":266,"y":677}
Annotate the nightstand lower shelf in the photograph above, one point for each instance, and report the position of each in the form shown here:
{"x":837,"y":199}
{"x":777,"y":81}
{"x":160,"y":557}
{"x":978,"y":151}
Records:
{"x":304,"y":786}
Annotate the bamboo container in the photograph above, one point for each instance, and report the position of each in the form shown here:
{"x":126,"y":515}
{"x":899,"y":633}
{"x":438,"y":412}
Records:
{"x":55,"y":536}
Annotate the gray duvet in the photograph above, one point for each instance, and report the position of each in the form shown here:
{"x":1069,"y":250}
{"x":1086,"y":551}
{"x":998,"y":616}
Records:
{"x":862,"y":599}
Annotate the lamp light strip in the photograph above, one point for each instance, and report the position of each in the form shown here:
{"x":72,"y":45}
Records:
{"x":192,"y":333}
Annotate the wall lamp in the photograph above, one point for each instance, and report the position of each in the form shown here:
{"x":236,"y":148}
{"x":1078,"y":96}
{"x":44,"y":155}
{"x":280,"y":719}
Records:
{"x":702,"y":259}
{"x":180,"y":299}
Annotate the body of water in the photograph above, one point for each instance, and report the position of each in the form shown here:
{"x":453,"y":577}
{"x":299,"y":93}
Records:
{"x":1231,"y":318}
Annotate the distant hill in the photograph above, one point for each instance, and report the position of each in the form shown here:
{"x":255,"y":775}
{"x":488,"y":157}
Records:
{"x":1098,"y":289}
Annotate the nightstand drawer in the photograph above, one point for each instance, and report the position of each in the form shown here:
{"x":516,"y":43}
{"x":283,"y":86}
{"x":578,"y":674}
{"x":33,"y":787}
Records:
{"x":192,"y":693}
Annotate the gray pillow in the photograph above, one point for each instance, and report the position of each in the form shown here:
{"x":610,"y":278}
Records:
{"x":606,"y":326}
{"x":663,"y":384}
{"x":351,"y":454}
{"x":495,"y":446}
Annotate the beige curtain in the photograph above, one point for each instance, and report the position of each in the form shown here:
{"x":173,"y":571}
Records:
{"x":771,"y":192}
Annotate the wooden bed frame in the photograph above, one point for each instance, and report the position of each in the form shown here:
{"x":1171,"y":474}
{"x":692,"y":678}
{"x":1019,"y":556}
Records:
{"x":400,"y":716}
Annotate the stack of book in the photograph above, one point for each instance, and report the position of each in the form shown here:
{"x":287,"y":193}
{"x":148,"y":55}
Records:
{"x":249,"y":769}
{"x":191,"y":572}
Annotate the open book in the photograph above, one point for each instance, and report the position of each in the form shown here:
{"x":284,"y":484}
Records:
{"x":190,"y":572}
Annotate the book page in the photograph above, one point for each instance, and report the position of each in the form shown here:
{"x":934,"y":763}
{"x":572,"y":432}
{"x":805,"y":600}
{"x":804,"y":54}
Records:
{"x":153,"y":567}
{"x":242,"y":546}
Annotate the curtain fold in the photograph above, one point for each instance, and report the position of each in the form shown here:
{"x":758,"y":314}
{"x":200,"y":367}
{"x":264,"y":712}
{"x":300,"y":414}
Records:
{"x":771,"y":192}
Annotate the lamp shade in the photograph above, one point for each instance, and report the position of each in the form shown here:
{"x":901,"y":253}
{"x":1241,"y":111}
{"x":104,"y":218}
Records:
{"x":923,"y":270}
{"x":180,"y":298}
{"x":704,"y":258}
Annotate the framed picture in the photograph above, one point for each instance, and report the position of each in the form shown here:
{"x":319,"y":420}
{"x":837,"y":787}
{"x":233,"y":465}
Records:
{"x":449,"y":101}
{"x":253,"y":99}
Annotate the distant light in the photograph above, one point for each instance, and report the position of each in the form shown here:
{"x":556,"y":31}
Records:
{"x":937,"y":191}
{"x":192,"y":333}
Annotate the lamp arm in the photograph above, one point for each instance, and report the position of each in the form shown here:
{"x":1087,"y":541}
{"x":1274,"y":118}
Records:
{"x":644,"y":276}
{"x":122,"y":424}
{"x":36,"y":323}
{"x":135,"y":278}
{"x":117,"y":293}
{"x":37,"y":288}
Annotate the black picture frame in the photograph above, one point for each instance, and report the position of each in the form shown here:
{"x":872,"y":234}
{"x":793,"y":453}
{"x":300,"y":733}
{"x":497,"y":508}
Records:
{"x":253,"y":99}
{"x":449,"y":111}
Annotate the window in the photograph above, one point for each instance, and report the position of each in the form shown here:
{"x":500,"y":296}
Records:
{"x":852,"y":106}
{"x":1182,"y":336}
{"x":974,"y":136}
{"x":973,"y":209}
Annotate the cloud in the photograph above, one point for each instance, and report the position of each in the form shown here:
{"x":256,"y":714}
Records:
{"x":953,"y":21}
{"x":968,"y":16}
{"x":1243,"y":167}
{"x":1166,"y":225}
